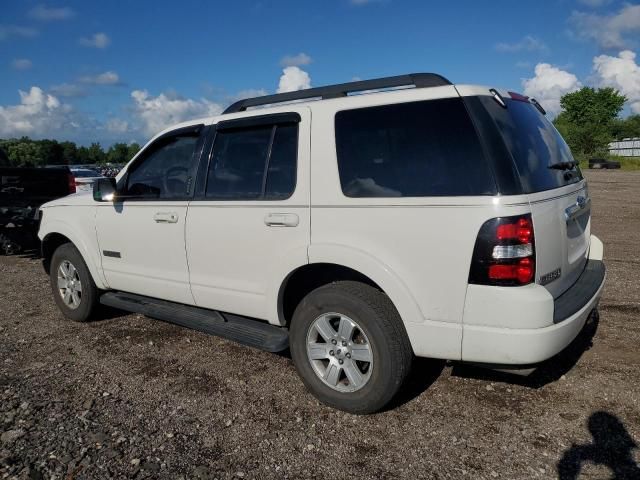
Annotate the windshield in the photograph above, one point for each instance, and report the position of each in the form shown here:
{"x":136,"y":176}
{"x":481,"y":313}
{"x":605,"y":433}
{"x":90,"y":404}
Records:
{"x":85,"y":173}
{"x":542,"y":158}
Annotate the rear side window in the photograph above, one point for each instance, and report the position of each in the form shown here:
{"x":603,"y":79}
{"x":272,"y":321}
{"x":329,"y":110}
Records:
{"x":254,"y":163}
{"x":417,"y":149}
{"x":538,"y":150}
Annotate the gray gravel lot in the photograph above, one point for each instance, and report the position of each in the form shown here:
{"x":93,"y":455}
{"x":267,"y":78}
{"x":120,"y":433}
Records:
{"x":127,"y":396}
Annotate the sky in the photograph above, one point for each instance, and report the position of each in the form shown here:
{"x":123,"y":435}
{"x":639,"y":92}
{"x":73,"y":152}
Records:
{"x":120,"y":71}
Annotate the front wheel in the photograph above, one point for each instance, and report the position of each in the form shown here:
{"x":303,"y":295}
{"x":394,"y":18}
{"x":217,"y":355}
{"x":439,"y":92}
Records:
{"x":74,"y":291}
{"x":350,"y":347}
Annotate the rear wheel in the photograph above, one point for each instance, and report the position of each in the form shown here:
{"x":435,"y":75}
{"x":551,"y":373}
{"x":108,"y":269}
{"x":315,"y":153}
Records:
{"x":74,"y":291}
{"x":350,"y":347}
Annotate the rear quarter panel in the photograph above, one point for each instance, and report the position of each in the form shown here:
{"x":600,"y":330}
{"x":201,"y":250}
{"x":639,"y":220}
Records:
{"x":417,"y":249}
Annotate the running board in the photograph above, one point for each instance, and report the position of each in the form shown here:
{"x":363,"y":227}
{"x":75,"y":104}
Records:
{"x":244,"y":330}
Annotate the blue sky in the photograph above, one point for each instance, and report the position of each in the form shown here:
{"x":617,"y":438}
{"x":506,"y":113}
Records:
{"x":120,"y":70}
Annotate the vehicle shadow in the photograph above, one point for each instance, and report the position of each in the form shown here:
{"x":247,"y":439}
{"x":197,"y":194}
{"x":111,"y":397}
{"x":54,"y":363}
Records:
{"x":546,"y":372}
{"x":424,"y":372}
{"x":612,"y":446}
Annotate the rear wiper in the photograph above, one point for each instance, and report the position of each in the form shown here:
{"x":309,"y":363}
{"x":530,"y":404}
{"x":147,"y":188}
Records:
{"x":563,"y":166}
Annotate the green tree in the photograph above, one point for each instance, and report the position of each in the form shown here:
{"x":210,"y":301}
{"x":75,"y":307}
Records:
{"x":587,"y":119}
{"x":69,"y":153}
{"x":132,"y":149}
{"x":25,"y":153}
{"x":626,"y":127}
{"x":118,"y":153}
{"x":52,"y":152}
{"x":95,"y":154}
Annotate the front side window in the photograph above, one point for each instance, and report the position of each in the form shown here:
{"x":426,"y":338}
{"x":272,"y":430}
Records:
{"x":166,"y":171}
{"x":254,"y":163}
{"x":417,"y":149}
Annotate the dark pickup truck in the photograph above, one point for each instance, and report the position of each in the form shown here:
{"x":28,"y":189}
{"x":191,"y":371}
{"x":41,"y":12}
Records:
{"x":22,"y":191}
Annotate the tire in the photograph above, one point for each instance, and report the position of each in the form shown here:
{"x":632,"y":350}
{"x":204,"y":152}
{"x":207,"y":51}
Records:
{"x":83,"y":286}
{"x":374,"y":322}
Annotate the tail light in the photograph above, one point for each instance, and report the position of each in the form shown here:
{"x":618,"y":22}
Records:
{"x":71,"y":182}
{"x":504,"y":253}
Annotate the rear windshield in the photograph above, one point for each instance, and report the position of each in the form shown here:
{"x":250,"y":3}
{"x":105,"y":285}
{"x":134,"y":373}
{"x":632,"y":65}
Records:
{"x":415,"y":149}
{"x":535,"y":144}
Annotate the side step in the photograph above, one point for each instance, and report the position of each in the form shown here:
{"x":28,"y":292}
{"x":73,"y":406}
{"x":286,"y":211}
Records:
{"x":245,"y":330}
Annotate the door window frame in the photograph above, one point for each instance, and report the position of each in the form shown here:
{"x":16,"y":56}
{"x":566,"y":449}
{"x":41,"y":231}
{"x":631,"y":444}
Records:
{"x":273,"y":119}
{"x":200,"y":130}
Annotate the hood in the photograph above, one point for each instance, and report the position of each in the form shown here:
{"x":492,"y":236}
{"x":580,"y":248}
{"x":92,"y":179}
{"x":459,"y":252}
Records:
{"x":75,"y":199}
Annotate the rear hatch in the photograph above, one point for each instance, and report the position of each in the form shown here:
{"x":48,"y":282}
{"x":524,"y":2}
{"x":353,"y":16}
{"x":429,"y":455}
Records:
{"x":548,"y":175}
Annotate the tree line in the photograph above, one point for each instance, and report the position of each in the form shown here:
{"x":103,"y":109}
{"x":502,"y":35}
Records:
{"x":25,"y":152}
{"x":590,"y":120}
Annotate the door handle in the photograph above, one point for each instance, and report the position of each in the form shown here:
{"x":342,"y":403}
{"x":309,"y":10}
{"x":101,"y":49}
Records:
{"x":166,"y":217}
{"x":281,"y":220}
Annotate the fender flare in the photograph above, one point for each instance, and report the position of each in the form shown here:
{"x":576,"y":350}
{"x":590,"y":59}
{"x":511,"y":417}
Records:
{"x":93,"y":262}
{"x":377,"y":271}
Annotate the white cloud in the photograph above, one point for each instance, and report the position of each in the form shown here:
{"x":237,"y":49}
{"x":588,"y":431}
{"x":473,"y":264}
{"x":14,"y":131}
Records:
{"x":116,"y":125}
{"x":292,"y":79}
{"x":8,"y":31}
{"x":594,"y":3}
{"x":37,"y":114}
{"x":528,"y":43}
{"x":622,"y":73}
{"x":106,"y":78}
{"x":609,"y":31}
{"x":68,"y":90}
{"x":548,"y":85}
{"x":47,"y":14}
{"x":21,"y":64}
{"x":158,"y":113}
{"x":97,"y":40}
{"x":295,"y":60}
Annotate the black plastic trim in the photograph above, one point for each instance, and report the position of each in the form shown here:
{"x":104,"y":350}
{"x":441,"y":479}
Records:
{"x":258,"y":121}
{"x":581,"y":292}
{"x":418,"y":80}
{"x":247,"y":331}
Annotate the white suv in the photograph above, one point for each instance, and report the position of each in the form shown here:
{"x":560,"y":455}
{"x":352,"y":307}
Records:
{"x":357,"y":224}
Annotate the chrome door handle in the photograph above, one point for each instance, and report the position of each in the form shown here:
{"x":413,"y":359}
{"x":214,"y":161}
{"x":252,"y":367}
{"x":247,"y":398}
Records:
{"x":166,"y":217}
{"x":281,"y":220}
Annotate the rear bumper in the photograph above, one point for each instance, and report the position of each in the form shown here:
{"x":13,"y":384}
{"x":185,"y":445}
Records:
{"x":564,"y":318}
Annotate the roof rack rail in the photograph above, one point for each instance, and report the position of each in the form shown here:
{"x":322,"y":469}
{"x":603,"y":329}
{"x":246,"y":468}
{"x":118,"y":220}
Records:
{"x":418,"y":80}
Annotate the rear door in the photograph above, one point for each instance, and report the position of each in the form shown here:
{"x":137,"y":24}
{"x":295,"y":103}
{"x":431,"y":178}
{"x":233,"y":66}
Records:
{"x":250,"y":219}
{"x":553,"y":183}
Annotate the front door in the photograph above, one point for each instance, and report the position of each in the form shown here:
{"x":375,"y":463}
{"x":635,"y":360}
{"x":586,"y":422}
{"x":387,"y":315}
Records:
{"x":141,"y":234}
{"x":251,"y":219}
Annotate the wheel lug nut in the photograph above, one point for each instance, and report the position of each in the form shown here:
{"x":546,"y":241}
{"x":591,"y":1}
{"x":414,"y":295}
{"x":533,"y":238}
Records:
{"x":331,"y":352}
{"x":334,"y":341}
{"x":348,"y":355}
{"x":340,"y":361}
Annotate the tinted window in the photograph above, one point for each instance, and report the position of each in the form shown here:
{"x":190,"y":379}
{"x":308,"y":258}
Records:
{"x":411,"y":150}
{"x":535,"y":145}
{"x":166,"y":171}
{"x":254,"y":163}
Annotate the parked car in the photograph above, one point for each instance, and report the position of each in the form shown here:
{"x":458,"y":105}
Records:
{"x":359,"y":230}
{"x":22,"y":192}
{"x":84,"y":178}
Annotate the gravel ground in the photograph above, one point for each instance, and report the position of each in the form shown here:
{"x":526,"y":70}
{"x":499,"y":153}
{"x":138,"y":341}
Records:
{"x":127,"y":396}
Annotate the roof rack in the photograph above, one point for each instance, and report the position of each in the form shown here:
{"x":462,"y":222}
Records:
{"x":418,"y":80}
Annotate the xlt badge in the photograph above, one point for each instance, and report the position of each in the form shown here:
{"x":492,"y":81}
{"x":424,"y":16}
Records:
{"x":551,"y":276}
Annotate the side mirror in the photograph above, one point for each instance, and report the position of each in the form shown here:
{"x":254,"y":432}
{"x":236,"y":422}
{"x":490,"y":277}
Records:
{"x":104,"y":190}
